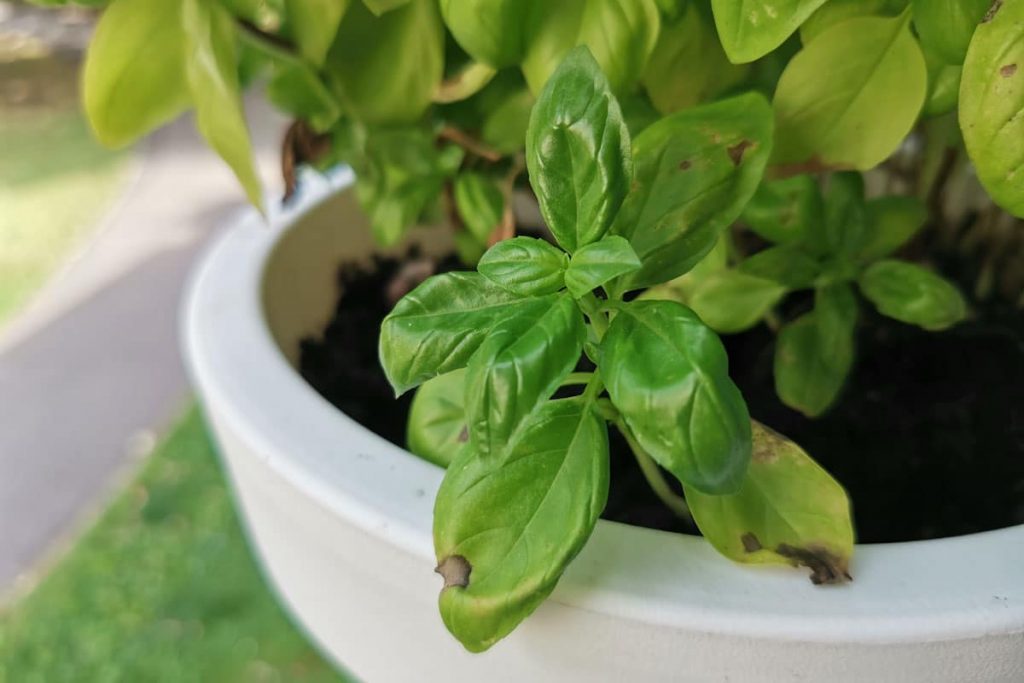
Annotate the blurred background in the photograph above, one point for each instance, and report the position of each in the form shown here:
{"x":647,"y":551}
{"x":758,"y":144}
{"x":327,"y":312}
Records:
{"x":121,"y":558}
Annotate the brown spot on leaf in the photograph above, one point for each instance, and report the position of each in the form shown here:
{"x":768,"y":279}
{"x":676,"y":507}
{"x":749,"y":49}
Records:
{"x":463,"y":435}
{"x":768,"y":444}
{"x":825,"y":566}
{"x":455,"y":569}
{"x":737,"y":150}
{"x":991,"y":13}
{"x":750,"y":542}
{"x":1007,"y":70}
{"x":685,"y":165}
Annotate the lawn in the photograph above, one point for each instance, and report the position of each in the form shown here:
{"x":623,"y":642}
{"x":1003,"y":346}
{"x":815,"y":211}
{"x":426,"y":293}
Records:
{"x":162,"y":589}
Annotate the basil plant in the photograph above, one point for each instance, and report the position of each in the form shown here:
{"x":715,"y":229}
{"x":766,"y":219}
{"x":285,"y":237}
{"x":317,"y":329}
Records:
{"x":527,"y":473}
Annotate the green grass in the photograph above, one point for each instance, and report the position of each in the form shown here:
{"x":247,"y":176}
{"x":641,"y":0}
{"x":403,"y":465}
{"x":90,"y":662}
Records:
{"x":55,"y":182}
{"x":162,"y":589}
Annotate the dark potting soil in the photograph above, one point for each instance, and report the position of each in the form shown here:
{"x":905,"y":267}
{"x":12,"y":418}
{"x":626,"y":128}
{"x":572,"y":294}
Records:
{"x":927,"y":436}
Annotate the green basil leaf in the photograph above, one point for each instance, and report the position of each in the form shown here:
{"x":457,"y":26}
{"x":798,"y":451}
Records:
{"x":912,"y":294}
{"x":505,"y":127}
{"x":672,"y":9}
{"x":731,"y":301}
{"x":387,"y":68}
{"x":814,"y":353}
{"x":638,"y":112}
{"x":490,"y":31}
{"x":525,"y":266}
{"x":694,"y":172}
{"x":946,"y":26}
{"x":943,"y":86}
{"x":463,"y":84}
{"x":212,"y":70}
{"x":688,"y":65}
{"x":313,"y":24}
{"x":752,"y":28}
{"x":437,"y":419}
{"x":785,"y":211}
{"x":379,"y":7}
{"x":517,"y":368}
{"x":597,"y":263}
{"x":826,"y":105}
{"x":296,"y":88}
{"x":438,"y":326}
{"x":788,"y":511}
{"x":126,"y":96}
{"x":577,"y":152}
{"x":846,"y":218}
{"x":680,"y":289}
{"x":991,"y":101}
{"x":480,"y":203}
{"x":891,"y":222}
{"x":505,"y":529}
{"x":836,"y":11}
{"x":787,"y":264}
{"x":668,"y":375}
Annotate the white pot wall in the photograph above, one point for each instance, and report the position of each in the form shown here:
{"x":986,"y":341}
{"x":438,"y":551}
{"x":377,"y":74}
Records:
{"x":341,"y":520}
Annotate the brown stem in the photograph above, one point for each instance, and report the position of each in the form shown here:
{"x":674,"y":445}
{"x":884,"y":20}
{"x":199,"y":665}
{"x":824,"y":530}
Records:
{"x":469,"y":143}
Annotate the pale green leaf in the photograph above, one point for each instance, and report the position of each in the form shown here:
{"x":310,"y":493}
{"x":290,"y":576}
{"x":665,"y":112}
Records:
{"x":913,"y":294}
{"x":752,"y":28}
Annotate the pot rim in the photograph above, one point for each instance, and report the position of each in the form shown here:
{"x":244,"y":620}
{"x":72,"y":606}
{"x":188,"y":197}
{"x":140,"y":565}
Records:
{"x":947,"y":589}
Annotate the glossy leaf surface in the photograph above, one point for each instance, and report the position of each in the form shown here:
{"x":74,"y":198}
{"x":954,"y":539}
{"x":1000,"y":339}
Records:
{"x":525,"y":266}
{"x":598,"y":263}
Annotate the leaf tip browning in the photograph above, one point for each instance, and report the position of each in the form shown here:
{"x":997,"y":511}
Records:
{"x":737,"y":151}
{"x":455,"y":570}
{"x":750,"y":542}
{"x":826,"y":567}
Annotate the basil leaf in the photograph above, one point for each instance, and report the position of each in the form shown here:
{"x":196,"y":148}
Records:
{"x":518,"y":367}
{"x":788,"y":511}
{"x":845,"y":215}
{"x":294,"y":87}
{"x":912,"y":294}
{"x":505,"y":127}
{"x":126,"y":96}
{"x":785,"y":211}
{"x":490,"y":31}
{"x":694,"y":172}
{"x":554,"y":29}
{"x":731,"y":301}
{"x":680,"y":289}
{"x":577,"y":152}
{"x":946,"y":26}
{"x":668,"y":375}
{"x":836,"y":11}
{"x":387,"y":68}
{"x":752,"y":28}
{"x":525,"y":266}
{"x":313,"y":24}
{"x":991,"y":100}
{"x":480,"y":204}
{"x":688,"y":65}
{"x":437,"y":419}
{"x":505,"y":529}
{"x":788,"y":265}
{"x":826,"y":104}
{"x":438,"y":326}
{"x":814,"y":353}
{"x":891,"y":222}
{"x":379,"y":7}
{"x":943,"y":87}
{"x":597,"y":263}
{"x":212,"y":71}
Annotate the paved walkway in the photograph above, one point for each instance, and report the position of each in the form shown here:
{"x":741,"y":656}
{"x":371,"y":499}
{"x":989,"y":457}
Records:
{"x":91,"y":370}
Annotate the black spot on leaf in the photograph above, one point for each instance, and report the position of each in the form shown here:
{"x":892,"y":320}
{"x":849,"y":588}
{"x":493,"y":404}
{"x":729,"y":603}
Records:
{"x":736,"y":151}
{"x":826,"y":567}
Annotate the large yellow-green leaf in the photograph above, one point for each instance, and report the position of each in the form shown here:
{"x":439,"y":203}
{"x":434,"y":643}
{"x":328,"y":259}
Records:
{"x":134,"y":79}
{"x":491,"y":31}
{"x":752,"y":28}
{"x":212,"y":68}
{"x":992,"y":104}
{"x":851,"y":95}
{"x":836,"y":11}
{"x":788,"y":511}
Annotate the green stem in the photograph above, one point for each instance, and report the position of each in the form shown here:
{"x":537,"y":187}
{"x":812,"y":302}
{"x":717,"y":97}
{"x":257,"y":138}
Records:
{"x":598,"y":318}
{"x":655,"y":479}
{"x":577,"y":378}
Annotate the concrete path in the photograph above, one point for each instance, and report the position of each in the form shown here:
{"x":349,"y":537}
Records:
{"x":90,"y":372}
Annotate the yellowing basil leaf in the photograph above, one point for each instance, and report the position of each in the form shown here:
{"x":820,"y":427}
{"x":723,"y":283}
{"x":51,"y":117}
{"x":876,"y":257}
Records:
{"x":387,"y":68}
{"x":577,"y":152}
{"x":599,"y":262}
{"x":688,"y":65}
{"x":517,"y":368}
{"x":814,"y":353}
{"x":124,"y":94}
{"x":463,"y":84}
{"x":788,"y":511}
{"x":314,"y":23}
{"x":212,"y":70}
{"x":694,"y":172}
{"x":946,"y":26}
{"x":912,"y":294}
{"x":731,"y":301}
{"x":437,"y":419}
{"x":668,"y":375}
{"x":827,"y":105}
{"x":506,"y":528}
{"x":525,"y":266}
{"x":752,"y":28}
{"x":836,"y":11}
{"x":991,"y":102}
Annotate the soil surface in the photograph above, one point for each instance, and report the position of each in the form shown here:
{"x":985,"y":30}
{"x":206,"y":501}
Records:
{"x":927,"y":436}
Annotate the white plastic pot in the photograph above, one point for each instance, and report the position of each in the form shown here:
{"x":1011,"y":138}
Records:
{"x":341,"y":520}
